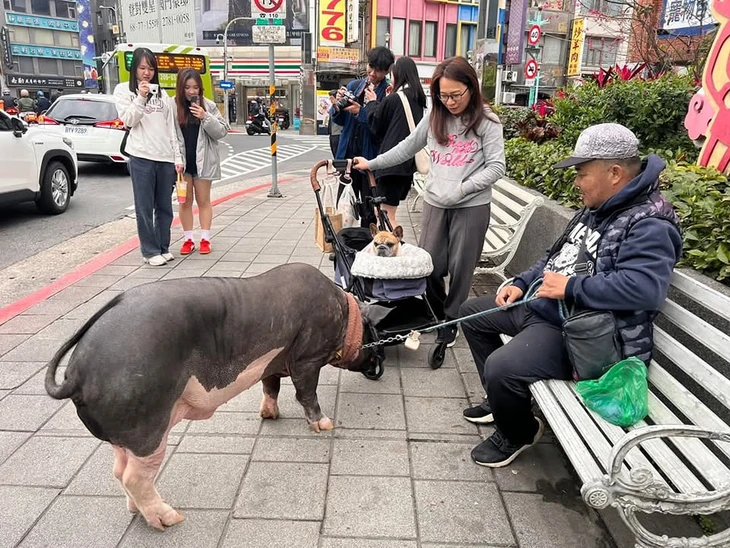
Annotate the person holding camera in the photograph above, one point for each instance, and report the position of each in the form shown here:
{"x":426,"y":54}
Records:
{"x":154,"y":154}
{"x":348,"y":111}
{"x":199,"y":128}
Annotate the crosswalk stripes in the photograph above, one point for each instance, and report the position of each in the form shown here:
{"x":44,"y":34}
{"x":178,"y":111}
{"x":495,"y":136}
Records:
{"x":260,"y":158}
{"x":322,"y":142}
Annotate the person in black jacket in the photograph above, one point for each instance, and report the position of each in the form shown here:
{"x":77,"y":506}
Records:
{"x":388,"y":124}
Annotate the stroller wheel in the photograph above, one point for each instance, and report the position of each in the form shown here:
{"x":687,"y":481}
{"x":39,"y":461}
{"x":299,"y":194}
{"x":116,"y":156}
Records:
{"x":436,"y":356}
{"x":375,"y":372}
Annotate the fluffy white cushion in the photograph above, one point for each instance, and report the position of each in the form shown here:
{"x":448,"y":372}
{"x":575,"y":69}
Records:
{"x":411,"y":263}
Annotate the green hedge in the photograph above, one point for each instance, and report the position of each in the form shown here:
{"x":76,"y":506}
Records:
{"x":700,"y":195}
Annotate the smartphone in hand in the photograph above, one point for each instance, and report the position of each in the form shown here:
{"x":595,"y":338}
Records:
{"x":195,"y":99}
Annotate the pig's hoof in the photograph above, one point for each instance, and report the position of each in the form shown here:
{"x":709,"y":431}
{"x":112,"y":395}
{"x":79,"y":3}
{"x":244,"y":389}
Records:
{"x":269,"y":410}
{"x":167,"y":516}
{"x":131,"y":506}
{"x":325,"y":423}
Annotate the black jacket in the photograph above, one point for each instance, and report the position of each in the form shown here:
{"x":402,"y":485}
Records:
{"x":389,"y":126}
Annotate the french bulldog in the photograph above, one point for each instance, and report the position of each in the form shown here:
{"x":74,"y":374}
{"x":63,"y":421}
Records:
{"x":386,"y":244}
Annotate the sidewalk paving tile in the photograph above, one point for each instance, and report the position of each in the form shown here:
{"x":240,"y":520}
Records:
{"x":257,"y":533}
{"x":26,"y":324}
{"x":14,"y":374}
{"x":201,"y":529}
{"x":36,"y":384}
{"x":358,"y":457}
{"x":446,"y":461}
{"x":366,"y":543}
{"x":10,"y":441}
{"x":282,"y":490}
{"x":441,"y":383}
{"x":460,"y":512}
{"x":215,"y":443}
{"x":292,"y":450}
{"x":437,"y":415}
{"x":20,"y":507}
{"x":378,"y":411}
{"x":26,"y":413}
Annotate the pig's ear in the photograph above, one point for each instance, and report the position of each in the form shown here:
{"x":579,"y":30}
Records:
{"x":373,"y":314}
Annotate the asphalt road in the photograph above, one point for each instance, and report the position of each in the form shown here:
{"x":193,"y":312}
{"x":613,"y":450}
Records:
{"x":105,"y":193}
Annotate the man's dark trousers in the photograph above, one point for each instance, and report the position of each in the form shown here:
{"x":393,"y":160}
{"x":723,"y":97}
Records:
{"x":535,"y":353}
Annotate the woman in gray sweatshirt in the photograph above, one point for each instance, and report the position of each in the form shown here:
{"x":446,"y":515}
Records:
{"x":467,"y":158}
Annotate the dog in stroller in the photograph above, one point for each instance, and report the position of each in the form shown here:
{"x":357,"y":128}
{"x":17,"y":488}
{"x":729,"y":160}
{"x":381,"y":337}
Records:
{"x":395,"y":285}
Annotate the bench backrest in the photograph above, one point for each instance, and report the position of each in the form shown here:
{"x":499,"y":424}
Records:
{"x":511,"y":209}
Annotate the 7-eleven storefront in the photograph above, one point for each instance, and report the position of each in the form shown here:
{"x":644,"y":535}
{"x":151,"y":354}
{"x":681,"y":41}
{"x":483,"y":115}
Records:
{"x":251,"y":77}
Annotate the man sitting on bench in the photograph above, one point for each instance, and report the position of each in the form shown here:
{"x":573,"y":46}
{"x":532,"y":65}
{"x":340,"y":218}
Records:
{"x":617,"y":254}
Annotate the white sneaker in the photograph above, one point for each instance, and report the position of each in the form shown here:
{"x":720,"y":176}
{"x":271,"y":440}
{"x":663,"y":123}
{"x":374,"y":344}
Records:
{"x":168,"y":257}
{"x":157,"y":260}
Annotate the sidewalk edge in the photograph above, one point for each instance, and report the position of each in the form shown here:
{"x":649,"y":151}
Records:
{"x":97,"y":263}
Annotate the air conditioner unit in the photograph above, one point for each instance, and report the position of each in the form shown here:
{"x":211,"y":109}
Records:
{"x":509,"y":97}
{"x":509,"y":76}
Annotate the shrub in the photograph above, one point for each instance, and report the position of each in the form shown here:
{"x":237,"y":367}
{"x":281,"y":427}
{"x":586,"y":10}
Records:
{"x":701,"y":197}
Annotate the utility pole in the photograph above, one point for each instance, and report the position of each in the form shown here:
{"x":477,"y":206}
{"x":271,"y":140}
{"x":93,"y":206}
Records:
{"x":274,"y":192}
{"x":533,"y":40}
{"x":225,"y":61}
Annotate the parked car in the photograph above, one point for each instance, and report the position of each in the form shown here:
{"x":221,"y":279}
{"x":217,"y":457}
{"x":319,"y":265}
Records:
{"x":91,"y":122}
{"x":36,"y":166}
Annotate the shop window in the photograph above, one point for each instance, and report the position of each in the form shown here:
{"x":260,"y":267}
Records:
{"x":20,"y":6}
{"x":40,"y":7}
{"x":467,"y":38}
{"x":398,"y":37}
{"x":43,"y":37}
{"x":47,"y":66}
{"x":450,"y":41}
{"x":600,"y":52}
{"x":20,"y":35}
{"x":414,"y":39}
{"x":63,"y":39}
{"x":25,"y":65}
{"x":68,"y":68}
{"x":429,"y":45}
{"x":382,"y":27}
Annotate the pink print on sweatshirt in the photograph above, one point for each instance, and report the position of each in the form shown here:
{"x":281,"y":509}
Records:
{"x":461,"y":153}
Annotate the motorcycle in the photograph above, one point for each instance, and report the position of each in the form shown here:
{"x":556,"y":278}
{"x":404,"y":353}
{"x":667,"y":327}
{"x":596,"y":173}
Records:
{"x":259,"y":124}
{"x":282,"y":119}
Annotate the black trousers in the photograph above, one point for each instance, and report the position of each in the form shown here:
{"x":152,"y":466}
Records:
{"x":536,"y":352}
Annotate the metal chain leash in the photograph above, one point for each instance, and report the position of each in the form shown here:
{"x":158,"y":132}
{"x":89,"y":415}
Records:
{"x":381,"y":342}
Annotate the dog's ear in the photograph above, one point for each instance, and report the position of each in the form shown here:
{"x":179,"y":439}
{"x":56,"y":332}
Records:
{"x":373,"y":314}
{"x":373,"y":229}
{"x":398,"y":232}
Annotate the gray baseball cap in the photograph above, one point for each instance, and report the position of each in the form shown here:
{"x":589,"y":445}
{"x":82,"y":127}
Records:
{"x":603,"y":142}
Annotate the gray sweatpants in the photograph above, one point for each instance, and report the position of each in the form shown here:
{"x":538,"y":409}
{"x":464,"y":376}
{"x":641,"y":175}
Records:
{"x":455,"y":239}
{"x":152,"y":184}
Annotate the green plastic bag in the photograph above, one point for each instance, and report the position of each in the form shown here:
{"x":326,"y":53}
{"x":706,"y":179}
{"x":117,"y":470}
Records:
{"x":621,"y":395}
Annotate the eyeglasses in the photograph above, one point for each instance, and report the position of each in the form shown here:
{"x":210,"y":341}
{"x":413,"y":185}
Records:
{"x":445,"y":97}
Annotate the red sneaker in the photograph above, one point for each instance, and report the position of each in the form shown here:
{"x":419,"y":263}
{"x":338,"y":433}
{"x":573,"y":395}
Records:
{"x":204,"y":247}
{"x":187,"y":248}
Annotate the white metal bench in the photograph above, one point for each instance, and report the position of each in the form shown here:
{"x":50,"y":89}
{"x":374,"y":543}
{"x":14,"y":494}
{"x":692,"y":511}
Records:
{"x":662,"y":464}
{"x":511,"y":209}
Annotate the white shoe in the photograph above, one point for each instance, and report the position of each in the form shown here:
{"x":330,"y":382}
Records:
{"x":157,"y":260}
{"x":168,"y":257}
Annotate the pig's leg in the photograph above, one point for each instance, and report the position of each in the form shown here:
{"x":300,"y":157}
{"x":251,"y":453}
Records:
{"x":269,"y":407}
{"x":139,"y":481}
{"x":305,"y":382}
{"x":120,"y":464}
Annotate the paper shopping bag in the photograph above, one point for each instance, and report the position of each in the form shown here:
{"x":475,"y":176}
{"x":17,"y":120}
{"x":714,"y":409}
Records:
{"x":319,"y":233}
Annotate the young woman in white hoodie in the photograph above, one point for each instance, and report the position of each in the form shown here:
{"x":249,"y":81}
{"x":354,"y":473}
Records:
{"x":154,"y":154}
{"x":467,"y":158}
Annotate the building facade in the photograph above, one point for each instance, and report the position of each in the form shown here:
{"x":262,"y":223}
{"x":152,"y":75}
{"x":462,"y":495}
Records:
{"x":41,"y":46}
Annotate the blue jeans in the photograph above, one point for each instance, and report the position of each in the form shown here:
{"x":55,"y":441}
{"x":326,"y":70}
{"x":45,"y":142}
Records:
{"x":152,"y":184}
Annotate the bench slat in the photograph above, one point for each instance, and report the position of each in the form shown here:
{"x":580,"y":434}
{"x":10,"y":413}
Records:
{"x":687,"y":403}
{"x":503,"y":217}
{"x":508,"y":205}
{"x":518,"y":192}
{"x":710,"y":336}
{"x":579,"y":455}
{"x":493,"y":242}
{"x":587,"y":428}
{"x":704,"y":374}
{"x":703,"y":460}
{"x":706,"y":296}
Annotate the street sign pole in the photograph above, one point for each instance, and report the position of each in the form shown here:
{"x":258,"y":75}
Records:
{"x":274,"y":192}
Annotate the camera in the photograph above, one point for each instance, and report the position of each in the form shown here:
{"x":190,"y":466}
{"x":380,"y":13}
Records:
{"x":344,"y":101}
{"x":154,"y":89}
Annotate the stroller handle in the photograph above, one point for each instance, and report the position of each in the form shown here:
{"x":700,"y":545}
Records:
{"x":339,"y":165}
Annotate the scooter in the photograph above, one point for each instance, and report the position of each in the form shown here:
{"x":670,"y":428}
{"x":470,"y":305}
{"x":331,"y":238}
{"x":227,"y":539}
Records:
{"x":258,"y":125}
{"x":282,"y":119}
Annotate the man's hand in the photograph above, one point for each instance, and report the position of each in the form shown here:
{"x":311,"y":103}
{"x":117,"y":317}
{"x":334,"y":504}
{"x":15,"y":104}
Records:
{"x":341,"y":92}
{"x":353,"y":109}
{"x":508,"y":295}
{"x":370,"y":94}
{"x":553,"y":286}
{"x":360,"y":163}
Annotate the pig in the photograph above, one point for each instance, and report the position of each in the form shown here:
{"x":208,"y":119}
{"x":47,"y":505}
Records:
{"x":178,"y":349}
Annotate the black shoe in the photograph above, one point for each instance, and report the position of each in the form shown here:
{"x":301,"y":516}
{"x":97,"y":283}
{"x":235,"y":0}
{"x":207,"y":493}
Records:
{"x":479,"y":414}
{"x":332,"y":257}
{"x":447,"y":335}
{"x":497,"y":451}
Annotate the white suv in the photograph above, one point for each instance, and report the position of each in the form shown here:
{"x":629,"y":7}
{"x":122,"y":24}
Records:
{"x":36,"y":166}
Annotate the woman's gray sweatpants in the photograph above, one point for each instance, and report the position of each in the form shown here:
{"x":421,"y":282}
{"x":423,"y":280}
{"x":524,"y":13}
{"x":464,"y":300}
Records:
{"x":152,"y":184}
{"x":455,"y":239}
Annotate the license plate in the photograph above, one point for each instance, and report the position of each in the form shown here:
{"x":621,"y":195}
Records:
{"x":76,"y":130}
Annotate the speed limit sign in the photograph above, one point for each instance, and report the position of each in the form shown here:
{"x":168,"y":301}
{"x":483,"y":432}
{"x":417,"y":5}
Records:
{"x":533,"y":37}
{"x":530,"y":69}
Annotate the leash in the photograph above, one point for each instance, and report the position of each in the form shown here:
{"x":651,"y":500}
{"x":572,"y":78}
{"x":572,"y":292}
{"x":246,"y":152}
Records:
{"x":412,"y":342}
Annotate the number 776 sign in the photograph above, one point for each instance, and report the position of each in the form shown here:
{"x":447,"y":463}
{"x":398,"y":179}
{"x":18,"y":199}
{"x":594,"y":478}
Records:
{"x":332,"y":22}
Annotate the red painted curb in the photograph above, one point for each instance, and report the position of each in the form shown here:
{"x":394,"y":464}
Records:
{"x":97,"y":263}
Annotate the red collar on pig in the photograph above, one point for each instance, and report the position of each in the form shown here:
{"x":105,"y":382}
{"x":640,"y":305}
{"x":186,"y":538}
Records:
{"x":353,"y":333}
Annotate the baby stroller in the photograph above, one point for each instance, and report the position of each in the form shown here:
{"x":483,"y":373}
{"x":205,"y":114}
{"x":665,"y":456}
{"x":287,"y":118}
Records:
{"x":409,"y":309}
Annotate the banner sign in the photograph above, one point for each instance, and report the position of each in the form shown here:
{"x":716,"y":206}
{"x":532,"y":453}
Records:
{"x":516,"y":32}
{"x":347,"y":56}
{"x":21,"y":20}
{"x":332,"y":22}
{"x":576,"y":47}
{"x":44,"y":81}
{"x":686,"y":16}
{"x":163,"y":21}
